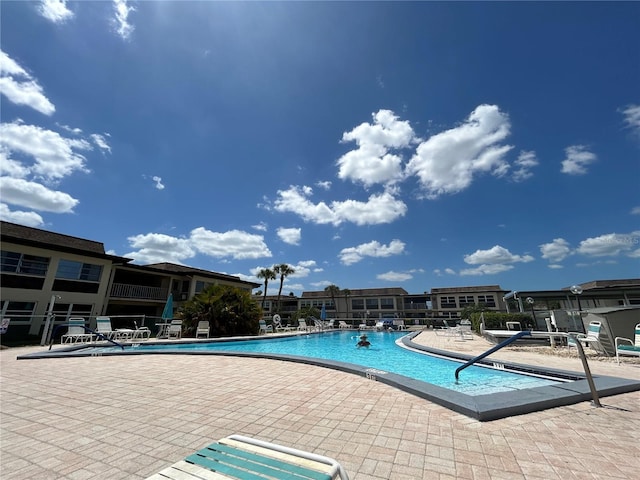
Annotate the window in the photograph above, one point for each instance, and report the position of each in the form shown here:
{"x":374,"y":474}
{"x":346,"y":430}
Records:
{"x":21,"y":263}
{"x":200,"y":286}
{"x":487,"y":300}
{"x":387,"y":304}
{"x":78,"y":271}
{"x":447,"y":302}
{"x":372,"y":304}
{"x":18,"y":311}
{"x":357,"y":304}
{"x":465,"y":300}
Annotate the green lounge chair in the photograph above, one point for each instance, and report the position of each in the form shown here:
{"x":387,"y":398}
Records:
{"x":244,"y":458}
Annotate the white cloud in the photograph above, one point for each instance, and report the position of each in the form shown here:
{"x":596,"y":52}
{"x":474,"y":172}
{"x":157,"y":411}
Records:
{"x":378,"y":209}
{"x":158,"y":181}
{"x":486,"y":269}
{"x":100,"y":141}
{"x":261,"y":227}
{"x":555,"y":251}
{"x":611,"y":244}
{"x":122,"y":10}
{"x":55,"y":156}
{"x":157,"y":248}
{"x":372,"y":163}
{"x":578,"y":157}
{"x":392,"y":276}
{"x":447,"y":162}
{"x":325,"y":185}
{"x":525,"y":162}
{"x":236,"y":244}
{"x":30,"y":219}
{"x":635,"y":211}
{"x":353,"y":255}
{"x":55,"y":11}
{"x":290,"y":235}
{"x":495,"y":255}
{"x":17,"y":191}
{"x":632,"y":117}
{"x":555,"y":266}
{"x":303,"y":268}
{"x":20,"y":88}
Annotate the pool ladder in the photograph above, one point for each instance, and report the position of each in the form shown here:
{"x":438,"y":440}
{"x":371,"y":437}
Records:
{"x":583,"y":357}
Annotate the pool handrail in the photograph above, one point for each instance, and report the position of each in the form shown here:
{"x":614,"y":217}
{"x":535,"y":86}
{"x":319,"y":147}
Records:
{"x":581,"y":354}
{"x":492,"y":350}
{"x":86,"y":329}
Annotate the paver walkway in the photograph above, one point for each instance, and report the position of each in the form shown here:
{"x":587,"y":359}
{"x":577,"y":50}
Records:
{"x":129,"y":417}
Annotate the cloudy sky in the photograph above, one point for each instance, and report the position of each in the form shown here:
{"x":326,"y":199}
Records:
{"x":413,"y":145}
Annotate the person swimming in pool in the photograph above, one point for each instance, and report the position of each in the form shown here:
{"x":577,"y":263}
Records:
{"x":363,"y":342}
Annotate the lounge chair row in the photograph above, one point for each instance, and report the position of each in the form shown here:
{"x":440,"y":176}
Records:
{"x":77,"y":333}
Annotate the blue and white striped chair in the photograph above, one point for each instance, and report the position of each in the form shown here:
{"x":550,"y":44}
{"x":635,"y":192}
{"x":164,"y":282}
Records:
{"x":624,"y":346}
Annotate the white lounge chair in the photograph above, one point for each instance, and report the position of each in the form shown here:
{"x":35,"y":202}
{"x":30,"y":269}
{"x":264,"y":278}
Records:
{"x":175,"y":329}
{"x":302,"y":325}
{"x":624,"y":346}
{"x":399,"y":324}
{"x":103,"y":327}
{"x":242,"y":457}
{"x":76,"y":332}
{"x":343,"y":324}
{"x":264,"y":328}
{"x":202,"y":329}
{"x":590,"y":339}
{"x":277,"y":322}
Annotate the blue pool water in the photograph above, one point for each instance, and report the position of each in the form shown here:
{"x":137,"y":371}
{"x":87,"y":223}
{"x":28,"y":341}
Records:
{"x":383,"y":355}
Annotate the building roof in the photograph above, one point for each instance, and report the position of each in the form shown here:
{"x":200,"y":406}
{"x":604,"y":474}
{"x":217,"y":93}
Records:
{"x":20,"y":234}
{"x":358,"y":292}
{"x":597,"y":284}
{"x":185,"y":270}
{"x":478,"y":288}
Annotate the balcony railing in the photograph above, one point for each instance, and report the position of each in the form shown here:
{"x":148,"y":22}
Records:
{"x":141,"y":292}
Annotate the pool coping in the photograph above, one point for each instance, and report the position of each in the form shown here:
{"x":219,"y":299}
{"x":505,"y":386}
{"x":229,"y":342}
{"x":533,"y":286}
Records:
{"x":481,"y":407}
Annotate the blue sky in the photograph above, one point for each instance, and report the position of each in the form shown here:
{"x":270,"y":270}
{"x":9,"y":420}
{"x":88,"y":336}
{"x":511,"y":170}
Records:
{"x":413,"y":145}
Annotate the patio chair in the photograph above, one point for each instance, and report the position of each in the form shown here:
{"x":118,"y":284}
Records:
{"x":103,"y":327}
{"x":76,"y":332}
{"x":175,"y":329}
{"x":277,"y":322}
{"x":590,"y":339}
{"x":264,"y":328}
{"x":399,"y":324}
{"x":202,"y":329}
{"x":624,"y":346}
{"x":302,"y":325}
{"x":343,"y":324}
{"x":242,"y":457}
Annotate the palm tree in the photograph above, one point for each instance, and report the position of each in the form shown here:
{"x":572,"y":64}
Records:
{"x":346,"y":292}
{"x":333,"y":290}
{"x":284,"y":271}
{"x":267,"y":274}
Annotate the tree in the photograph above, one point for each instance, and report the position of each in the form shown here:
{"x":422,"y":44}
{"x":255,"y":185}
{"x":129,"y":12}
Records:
{"x":346,"y":292}
{"x":267,"y":274}
{"x":333,"y":290}
{"x":284,"y":271}
{"x":229,"y":310}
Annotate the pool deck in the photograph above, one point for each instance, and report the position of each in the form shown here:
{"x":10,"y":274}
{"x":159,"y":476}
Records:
{"x":129,"y":417}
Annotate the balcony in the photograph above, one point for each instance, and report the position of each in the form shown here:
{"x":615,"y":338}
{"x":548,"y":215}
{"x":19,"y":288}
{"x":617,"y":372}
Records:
{"x":140,"y":292}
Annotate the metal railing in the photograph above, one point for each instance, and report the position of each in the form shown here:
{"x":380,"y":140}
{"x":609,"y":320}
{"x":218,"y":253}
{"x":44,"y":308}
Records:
{"x":123,"y":290}
{"x":570,"y":335}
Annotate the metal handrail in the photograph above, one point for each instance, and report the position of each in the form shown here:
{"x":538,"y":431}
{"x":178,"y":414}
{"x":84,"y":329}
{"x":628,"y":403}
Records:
{"x":86,"y":329}
{"x":572,"y":335}
{"x":492,"y":350}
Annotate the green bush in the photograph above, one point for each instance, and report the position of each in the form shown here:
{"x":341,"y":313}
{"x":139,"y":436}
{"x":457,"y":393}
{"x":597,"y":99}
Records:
{"x":498,"y":320}
{"x":229,"y":310}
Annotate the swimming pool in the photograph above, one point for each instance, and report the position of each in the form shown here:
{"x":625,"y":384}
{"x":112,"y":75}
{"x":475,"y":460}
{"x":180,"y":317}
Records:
{"x":383,"y":355}
{"x":486,"y":392}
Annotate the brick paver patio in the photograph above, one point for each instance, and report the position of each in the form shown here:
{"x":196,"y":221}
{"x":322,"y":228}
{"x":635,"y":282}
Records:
{"x":129,"y":417}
